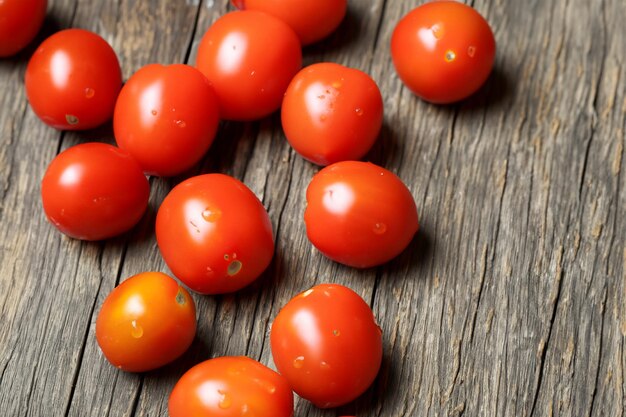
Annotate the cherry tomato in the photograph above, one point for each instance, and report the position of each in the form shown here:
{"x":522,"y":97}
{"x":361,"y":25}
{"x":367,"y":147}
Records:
{"x":214,"y":234}
{"x":443,"y":51}
{"x":231,"y":387}
{"x":249,"y":58}
{"x":146,"y":322}
{"x":359,"y":214}
{"x":73,"y":79}
{"x":332,"y":113}
{"x":20,"y":20}
{"x":166,"y":118}
{"x":311,"y":20}
{"x":327,"y":344}
{"x":94,"y":191}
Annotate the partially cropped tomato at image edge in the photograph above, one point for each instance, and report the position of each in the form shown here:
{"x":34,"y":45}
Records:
{"x":20,"y":20}
{"x":359,"y":214}
{"x":94,"y":191}
{"x":249,"y":58}
{"x":443,"y":51}
{"x":231,"y":386}
{"x":214,"y":234}
{"x":146,"y":322}
{"x":327,"y":344}
{"x":332,"y":113}
{"x":166,"y":117}
{"x":73,"y":80}
{"x":311,"y":20}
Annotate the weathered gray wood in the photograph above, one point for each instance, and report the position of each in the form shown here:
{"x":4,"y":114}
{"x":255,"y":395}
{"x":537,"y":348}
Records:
{"x":510,"y":300}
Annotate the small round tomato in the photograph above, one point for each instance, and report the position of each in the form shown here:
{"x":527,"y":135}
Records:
{"x":231,"y":387}
{"x":20,"y":20}
{"x":73,"y":79}
{"x":166,"y":118}
{"x":443,"y":51}
{"x":311,"y":20}
{"x":214,"y":234}
{"x":359,"y":214}
{"x":327,"y":344}
{"x":94,"y":191}
{"x":249,"y":58}
{"x":332,"y":113}
{"x":146,"y":322}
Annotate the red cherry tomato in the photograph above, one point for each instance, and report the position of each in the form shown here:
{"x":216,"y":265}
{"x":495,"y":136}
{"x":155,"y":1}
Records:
{"x":327,"y":344}
{"x":311,"y":20}
{"x":146,"y":322}
{"x":231,"y":387}
{"x":214,"y":234}
{"x":249,"y":58}
{"x":166,"y":118}
{"x":332,"y":113}
{"x":73,"y":79}
{"x":359,"y":214}
{"x":20,"y":20}
{"x":94,"y":191}
{"x":443,"y":51}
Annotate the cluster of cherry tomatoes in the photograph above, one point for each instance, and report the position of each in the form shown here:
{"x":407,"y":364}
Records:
{"x":212,"y":231}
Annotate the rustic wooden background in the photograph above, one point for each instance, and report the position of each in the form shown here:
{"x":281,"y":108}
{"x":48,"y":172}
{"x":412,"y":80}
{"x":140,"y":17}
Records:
{"x":509,"y":302}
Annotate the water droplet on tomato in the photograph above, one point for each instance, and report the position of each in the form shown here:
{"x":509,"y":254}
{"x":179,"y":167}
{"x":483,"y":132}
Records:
{"x":234,"y":267}
{"x":252,"y":72}
{"x":359,"y":111}
{"x":137,"y":330}
{"x":323,"y":118}
{"x":471,"y":51}
{"x":336,"y":332}
{"x":437,"y":31}
{"x":226,"y":257}
{"x":321,"y":96}
{"x":154,"y":112}
{"x":379,"y":228}
{"x":298,"y":362}
{"x":337,"y":85}
{"x":225,"y":400}
{"x":90,"y":92}
{"x":450,"y":56}
{"x":181,"y":123}
{"x":324,"y":365}
{"x":71,"y":119}
{"x":211,"y":214}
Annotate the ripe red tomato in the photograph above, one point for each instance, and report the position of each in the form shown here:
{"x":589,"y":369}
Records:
{"x":311,"y":20}
{"x":249,"y":58}
{"x":327,"y":344}
{"x":443,"y":51}
{"x":332,"y":113}
{"x":359,"y":214}
{"x":94,"y":191}
{"x":231,"y":387}
{"x":20,"y":20}
{"x":73,"y":79}
{"x":146,"y":322}
{"x":214,"y":234}
{"x":166,"y":118}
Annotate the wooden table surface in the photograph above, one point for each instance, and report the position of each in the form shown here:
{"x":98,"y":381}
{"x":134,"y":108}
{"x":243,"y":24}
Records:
{"x":510,"y":301}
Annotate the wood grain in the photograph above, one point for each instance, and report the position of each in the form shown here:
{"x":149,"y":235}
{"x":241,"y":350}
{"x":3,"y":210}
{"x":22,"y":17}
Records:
{"x":510,"y":300}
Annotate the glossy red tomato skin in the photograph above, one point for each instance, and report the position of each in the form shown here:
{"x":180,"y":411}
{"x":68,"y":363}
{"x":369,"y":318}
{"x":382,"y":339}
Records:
{"x":20,"y":20}
{"x":214,"y":234}
{"x":146,"y":322}
{"x":249,"y":58}
{"x":332,"y":113}
{"x":327,"y":344}
{"x":443,"y":51}
{"x":231,"y":387}
{"x":311,"y":20}
{"x":359,"y":214}
{"x":94,"y":191}
{"x":73,"y":79}
{"x":166,"y":117}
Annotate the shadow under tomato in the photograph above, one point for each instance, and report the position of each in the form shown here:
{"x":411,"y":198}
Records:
{"x":417,"y":256}
{"x":345,"y":36}
{"x":51,"y":25}
{"x":386,"y":147}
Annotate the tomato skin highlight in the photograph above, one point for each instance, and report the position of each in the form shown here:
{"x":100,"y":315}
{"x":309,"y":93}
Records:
{"x":214,"y":234}
{"x":249,"y":58}
{"x":311,"y":20}
{"x":146,"y":322}
{"x":332,"y":113}
{"x":443,"y":51}
{"x":359,"y":214}
{"x":231,"y":387}
{"x":20,"y":21}
{"x":94,"y":191}
{"x":327,"y":344}
{"x":166,"y":117}
{"x":73,"y":80}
